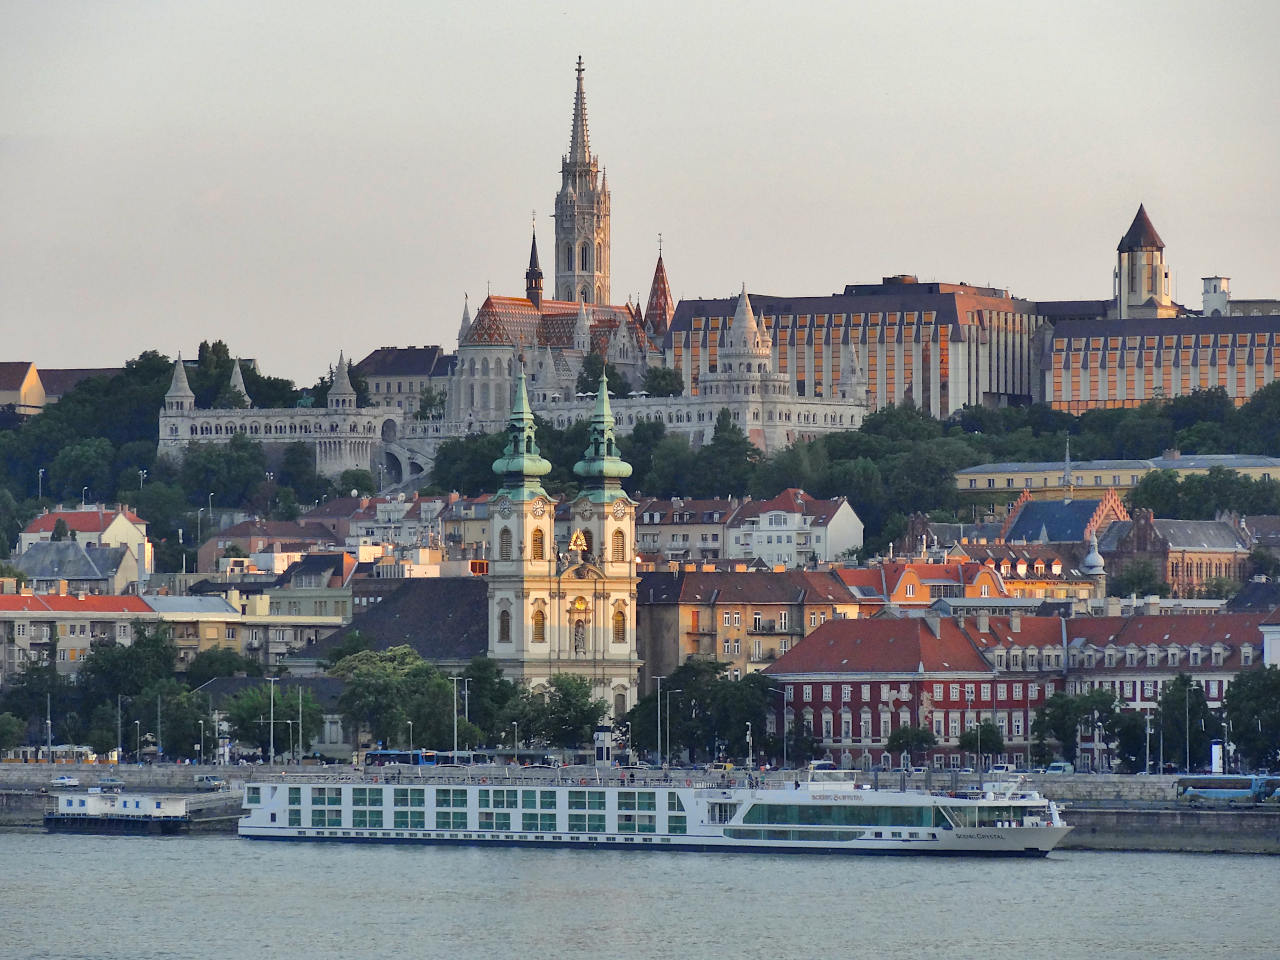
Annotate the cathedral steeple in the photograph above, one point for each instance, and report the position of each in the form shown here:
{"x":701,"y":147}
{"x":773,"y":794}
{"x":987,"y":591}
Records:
{"x":582,"y":252}
{"x":601,"y":469}
{"x":521,"y":462}
{"x":465,"y":327}
{"x":579,"y":142}
{"x":237,"y":383}
{"x":533,"y":276}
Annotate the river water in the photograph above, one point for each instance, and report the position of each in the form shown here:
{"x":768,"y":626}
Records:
{"x":220,"y":897}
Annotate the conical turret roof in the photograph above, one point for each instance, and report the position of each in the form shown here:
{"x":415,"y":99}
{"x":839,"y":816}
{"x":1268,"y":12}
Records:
{"x":178,"y":386}
{"x":342,"y":380}
{"x":465,"y":327}
{"x":1141,"y":234}
{"x":237,"y":381}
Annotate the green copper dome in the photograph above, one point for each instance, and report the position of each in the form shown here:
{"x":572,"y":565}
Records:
{"x":600,"y":465}
{"x":521,"y":463}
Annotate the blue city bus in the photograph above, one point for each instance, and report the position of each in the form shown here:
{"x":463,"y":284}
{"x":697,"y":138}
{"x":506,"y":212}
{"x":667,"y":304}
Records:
{"x":1219,"y":788}
{"x":463,"y":758}
{"x":415,"y":758}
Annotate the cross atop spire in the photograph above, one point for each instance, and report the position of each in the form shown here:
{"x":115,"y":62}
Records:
{"x":579,"y":144}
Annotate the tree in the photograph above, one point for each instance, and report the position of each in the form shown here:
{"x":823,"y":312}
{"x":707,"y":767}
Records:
{"x":219,"y":662}
{"x":180,"y":713}
{"x":60,"y":531}
{"x":11,"y":731}
{"x":377,"y":693}
{"x":663,"y":382}
{"x":983,"y":739}
{"x":566,"y":715}
{"x":230,"y":471}
{"x":589,"y":376}
{"x":725,"y":466}
{"x":911,"y":740}
{"x":351,"y":642}
{"x":9,"y":572}
{"x":430,"y":403}
{"x":249,"y":715}
{"x":1252,"y":705}
{"x":1138,"y":578}
{"x":361,"y":481}
{"x":1059,"y":719}
{"x":487,"y":696}
{"x":1263,"y":563}
{"x":1129,"y":731}
{"x":1187,"y":723}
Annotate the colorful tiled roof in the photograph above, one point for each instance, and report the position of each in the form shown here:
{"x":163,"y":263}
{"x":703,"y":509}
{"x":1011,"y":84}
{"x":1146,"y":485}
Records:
{"x":791,"y":500}
{"x":81,"y":521}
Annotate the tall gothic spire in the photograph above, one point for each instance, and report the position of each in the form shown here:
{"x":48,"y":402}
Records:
{"x":662,"y":306}
{"x":521,"y":462}
{"x":600,"y":467}
{"x":533,"y":276}
{"x":579,"y":144}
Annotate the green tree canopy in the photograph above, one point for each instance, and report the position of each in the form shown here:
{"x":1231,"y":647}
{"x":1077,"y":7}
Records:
{"x":249,"y":715}
{"x":1252,"y":705}
{"x":589,"y":376}
{"x":984,"y":738}
{"x":662,"y":382}
{"x":1187,"y":723}
{"x":219,"y":662}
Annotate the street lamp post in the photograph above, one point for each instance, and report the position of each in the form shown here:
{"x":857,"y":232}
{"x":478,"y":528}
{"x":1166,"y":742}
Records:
{"x":201,"y":758}
{"x":751,"y":765}
{"x":40,"y":484}
{"x":137,"y":741}
{"x":667,"y":755}
{"x":410,"y":723}
{"x":84,"y":496}
{"x":515,"y":742}
{"x":1186,"y":722}
{"x":657,"y":728}
{"x":271,"y":729}
{"x":455,"y":717}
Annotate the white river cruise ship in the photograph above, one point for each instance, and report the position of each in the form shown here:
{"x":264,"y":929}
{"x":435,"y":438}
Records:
{"x":827,"y":811}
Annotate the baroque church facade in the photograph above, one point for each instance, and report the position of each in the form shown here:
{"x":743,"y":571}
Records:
{"x":553,"y":336}
{"x":564,"y":608}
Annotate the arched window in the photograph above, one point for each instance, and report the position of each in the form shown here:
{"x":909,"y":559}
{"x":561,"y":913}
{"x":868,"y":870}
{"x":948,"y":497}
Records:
{"x":619,"y":547}
{"x":599,"y":254}
{"x":568,"y":256}
{"x":619,"y":627}
{"x":472,"y":366}
{"x":504,"y":626}
{"x":538,"y":545}
{"x":584,"y":263}
{"x":504,"y":544}
{"x":484,"y":366}
{"x":539,"y":627}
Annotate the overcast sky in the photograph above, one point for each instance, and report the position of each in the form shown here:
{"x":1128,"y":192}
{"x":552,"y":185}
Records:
{"x":299,"y":178}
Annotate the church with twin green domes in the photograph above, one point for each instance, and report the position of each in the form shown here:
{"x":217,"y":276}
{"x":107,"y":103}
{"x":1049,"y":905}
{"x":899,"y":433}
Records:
{"x":564,"y":607}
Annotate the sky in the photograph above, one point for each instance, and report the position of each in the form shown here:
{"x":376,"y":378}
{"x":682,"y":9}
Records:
{"x":299,"y":178}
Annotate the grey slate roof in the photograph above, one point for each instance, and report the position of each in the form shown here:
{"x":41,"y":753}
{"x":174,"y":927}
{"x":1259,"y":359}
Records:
{"x":1052,"y":521}
{"x":188,"y":604}
{"x":69,"y":560}
{"x":1201,"y":535}
{"x":442,"y":618}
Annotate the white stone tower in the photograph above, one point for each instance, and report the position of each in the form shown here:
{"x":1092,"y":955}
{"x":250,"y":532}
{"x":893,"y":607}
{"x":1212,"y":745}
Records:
{"x":582,"y":216}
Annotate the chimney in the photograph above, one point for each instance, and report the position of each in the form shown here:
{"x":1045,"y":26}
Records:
{"x":984,"y":622}
{"x":934,"y":620}
{"x":1015,"y":623}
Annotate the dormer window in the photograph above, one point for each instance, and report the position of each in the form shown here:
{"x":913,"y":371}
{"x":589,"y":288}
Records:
{"x":1246,"y":656}
{"x":1131,"y":658}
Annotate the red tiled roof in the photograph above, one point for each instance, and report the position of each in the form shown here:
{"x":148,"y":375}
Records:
{"x":81,"y":521}
{"x":788,"y":586}
{"x":882,"y":646}
{"x":791,"y":500}
{"x":1231,"y":629}
{"x":53,"y":603}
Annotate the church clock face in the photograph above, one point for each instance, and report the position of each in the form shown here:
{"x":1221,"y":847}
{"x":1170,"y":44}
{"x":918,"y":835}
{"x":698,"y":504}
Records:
{"x":539,"y":508}
{"x":619,"y":509}
{"x":504,"y":509}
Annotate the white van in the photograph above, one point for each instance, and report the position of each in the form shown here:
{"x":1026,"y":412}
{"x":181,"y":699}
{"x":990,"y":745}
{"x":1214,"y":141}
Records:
{"x":1060,"y":766}
{"x":1001,"y":769}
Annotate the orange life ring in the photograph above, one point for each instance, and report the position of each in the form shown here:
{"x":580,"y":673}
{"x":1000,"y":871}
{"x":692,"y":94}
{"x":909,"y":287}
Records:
{"x":484,"y":779}
{"x":582,"y":782}
{"x":375,"y":779}
{"x":688,"y":783}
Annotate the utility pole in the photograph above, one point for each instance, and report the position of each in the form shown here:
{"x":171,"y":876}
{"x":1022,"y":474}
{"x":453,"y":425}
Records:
{"x":159,"y":748}
{"x":119,"y":740}
{"x":298,"y":756}
{"x":48,"y":718}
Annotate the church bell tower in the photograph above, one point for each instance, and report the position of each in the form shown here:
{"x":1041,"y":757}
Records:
{"x":582,"y":216}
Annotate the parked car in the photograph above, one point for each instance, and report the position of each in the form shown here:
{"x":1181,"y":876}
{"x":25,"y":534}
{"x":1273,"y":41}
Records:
{"x":1001,"y":768}
{"x":919,"y":771}
{"x":64,"y":781}
{"x":111,"y":783}
{"x":1060,"y":766}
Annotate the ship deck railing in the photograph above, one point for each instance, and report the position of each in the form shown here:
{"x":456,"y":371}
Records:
{"x":507,"y":775}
